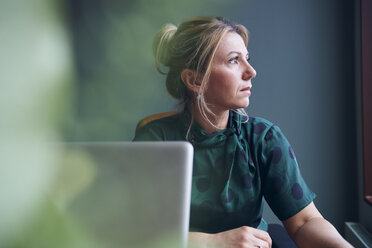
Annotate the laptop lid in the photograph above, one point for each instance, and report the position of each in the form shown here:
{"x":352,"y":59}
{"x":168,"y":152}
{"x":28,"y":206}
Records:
{"x":129,"y":194}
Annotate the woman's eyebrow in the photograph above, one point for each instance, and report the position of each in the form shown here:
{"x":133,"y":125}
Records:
{"x":232,"y":52}
{"x":236,"y":52}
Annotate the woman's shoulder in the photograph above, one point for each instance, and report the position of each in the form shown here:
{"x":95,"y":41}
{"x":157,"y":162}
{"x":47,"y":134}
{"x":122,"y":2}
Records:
{"x":265,"y":135}
{"x":256,"y":120}
{"x":258,"y":125}
{"x":163,"y":121}
{"x":259,"y":129}
{"x":159,"y":128}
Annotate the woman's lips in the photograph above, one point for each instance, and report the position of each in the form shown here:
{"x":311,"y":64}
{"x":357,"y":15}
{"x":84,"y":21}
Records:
{"x":246,"y":90}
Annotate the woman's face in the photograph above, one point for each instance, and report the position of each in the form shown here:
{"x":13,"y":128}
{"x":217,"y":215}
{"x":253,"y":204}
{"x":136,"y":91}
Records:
{"x":229,"y":85}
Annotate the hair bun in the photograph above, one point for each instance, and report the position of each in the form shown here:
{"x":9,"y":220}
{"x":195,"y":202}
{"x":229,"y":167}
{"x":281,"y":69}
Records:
{"x":161,"y":45}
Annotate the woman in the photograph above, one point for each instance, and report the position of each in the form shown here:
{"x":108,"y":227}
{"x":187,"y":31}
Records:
{"x":237,"y":159}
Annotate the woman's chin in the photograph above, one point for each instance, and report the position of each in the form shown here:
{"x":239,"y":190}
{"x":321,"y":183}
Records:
{"x":245,"y":104}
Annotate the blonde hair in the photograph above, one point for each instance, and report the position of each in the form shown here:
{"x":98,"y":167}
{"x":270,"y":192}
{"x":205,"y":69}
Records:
{"x":192,"y":45}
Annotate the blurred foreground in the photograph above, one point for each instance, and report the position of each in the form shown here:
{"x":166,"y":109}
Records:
{"x":68,"y":71}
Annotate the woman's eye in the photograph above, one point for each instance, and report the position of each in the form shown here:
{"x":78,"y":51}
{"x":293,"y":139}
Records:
{"x":234,"y":60}
{"x":248,"y":59}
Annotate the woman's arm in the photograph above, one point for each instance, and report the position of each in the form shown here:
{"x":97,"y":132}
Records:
{"x":240,"y":237}
{"x":308,"y":228}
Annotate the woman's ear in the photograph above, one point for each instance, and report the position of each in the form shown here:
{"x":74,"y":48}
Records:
{"x":189,"y":78}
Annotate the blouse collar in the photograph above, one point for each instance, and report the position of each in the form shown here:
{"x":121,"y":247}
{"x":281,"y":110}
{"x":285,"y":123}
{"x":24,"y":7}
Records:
{"x":198,"y":136}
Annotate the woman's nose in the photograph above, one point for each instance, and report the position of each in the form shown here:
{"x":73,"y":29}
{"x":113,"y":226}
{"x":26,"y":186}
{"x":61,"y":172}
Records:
{"x":249,"y":72}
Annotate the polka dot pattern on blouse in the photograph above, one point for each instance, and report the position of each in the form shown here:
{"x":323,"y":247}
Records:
{"x":234,"y":169}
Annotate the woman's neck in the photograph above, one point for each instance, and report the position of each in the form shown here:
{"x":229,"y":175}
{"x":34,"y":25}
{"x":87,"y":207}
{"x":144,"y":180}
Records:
{"x":219,"y":119}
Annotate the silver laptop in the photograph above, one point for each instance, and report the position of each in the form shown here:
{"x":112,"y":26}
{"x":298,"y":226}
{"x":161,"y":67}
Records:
{"x":129,"y":194}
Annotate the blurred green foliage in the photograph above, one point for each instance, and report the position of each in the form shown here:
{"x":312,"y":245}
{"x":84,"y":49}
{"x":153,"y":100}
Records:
{"x":50,"y":227}
{"x":73,"y":70}
{"x":36,"y":79}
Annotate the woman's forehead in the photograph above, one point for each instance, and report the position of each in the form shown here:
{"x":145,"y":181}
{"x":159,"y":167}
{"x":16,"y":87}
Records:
{"x":231,"y":43}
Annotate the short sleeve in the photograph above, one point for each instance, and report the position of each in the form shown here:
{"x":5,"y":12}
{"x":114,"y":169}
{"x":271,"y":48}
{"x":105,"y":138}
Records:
{"x":283,"y":186}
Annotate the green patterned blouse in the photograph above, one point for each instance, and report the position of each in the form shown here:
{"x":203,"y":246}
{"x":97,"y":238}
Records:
{"x":233,"y":169}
